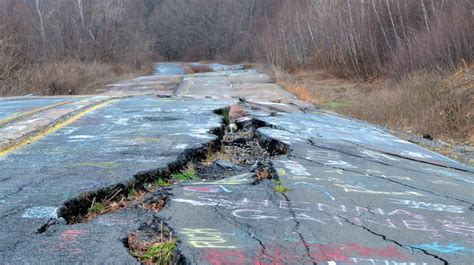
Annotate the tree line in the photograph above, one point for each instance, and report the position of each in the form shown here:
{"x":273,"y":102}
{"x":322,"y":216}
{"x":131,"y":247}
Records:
{"x":354,"y":38}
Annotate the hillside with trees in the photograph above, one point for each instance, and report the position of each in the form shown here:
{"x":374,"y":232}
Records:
{"x":403,"y":53}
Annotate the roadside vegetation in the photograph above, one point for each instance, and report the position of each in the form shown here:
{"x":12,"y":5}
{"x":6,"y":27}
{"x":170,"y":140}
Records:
{"x":425,"y":103}
{"x":401,"y":63}
{"x":52,"y":47}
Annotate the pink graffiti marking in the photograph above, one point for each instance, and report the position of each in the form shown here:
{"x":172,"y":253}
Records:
{"x":232,"y":257}
{"x":317,"y":252}
{"x":66,"y":242}
{"x":202,"y":189}
{"x":71,"y":235}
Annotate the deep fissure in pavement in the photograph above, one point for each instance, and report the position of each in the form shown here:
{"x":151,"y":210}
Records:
{"x":78,"y":210}
{"x":237,"y":149}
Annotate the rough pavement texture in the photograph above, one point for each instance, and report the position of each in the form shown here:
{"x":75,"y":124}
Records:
{"x":356,"y":194}
{"x":105,"y":148}
{"x":27,"y":119}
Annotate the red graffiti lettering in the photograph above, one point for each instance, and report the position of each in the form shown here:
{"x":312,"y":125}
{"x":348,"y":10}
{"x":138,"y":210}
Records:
{"x":226,"y":257}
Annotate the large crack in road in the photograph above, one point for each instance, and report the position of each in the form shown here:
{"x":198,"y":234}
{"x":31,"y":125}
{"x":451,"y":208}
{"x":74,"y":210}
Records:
{"x":221,"y":174}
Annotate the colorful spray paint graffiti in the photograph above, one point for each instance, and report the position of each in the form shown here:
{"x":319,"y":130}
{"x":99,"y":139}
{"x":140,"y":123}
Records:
{"x":330,"y":214}
{"x":206,"y":238}
{"x":318,"y":253}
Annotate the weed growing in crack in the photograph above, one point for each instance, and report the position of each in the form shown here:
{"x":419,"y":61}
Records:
{"x":189,"y":173}
{"x":160,"y":253}
{"x":116,"y":201}
{"x":226,"y":117}
{"x":279,"y":187}
{"x":132,"y":194}
{"x":96,"y":208}
{"x":153,"y":243}
{"x":225,"y":113}
{"x":160,"y":182}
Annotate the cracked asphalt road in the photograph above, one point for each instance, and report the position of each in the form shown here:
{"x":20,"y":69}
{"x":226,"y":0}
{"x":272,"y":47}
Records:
{"x":357,"y":195}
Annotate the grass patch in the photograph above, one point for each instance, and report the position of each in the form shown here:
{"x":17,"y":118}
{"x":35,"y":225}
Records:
{"x":189,"y":173}
{"x":159,"y":253}
{"x":160,"y":182}
{"x":153,"y":244}
{"x":279,"y":187}
{"x":226,"y":117}
{"x":132,"y":194}
{"x":96,"y":208}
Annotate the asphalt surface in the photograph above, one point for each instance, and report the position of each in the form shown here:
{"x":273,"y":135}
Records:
{"x":355,"y":194}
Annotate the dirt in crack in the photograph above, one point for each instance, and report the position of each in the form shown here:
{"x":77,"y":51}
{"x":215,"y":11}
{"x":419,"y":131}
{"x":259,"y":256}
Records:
{"x":240,"y":152}
{"x":153,"y":243}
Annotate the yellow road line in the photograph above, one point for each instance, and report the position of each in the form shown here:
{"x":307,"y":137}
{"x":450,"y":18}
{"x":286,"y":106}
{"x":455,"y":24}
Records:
{"x":33,"y":138}
{"x":7,"y":120}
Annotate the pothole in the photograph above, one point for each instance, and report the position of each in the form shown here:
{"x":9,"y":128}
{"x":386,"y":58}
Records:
{"x":240,"y":152}
{"x":153,"y":243}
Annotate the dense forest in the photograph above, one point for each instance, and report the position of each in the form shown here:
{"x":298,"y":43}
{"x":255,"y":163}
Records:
{"x":59,"y":46}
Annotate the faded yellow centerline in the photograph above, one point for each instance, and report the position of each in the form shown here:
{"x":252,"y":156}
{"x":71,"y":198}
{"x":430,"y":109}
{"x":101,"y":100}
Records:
{"x":33,"y":138}
{"x":24,"y":114}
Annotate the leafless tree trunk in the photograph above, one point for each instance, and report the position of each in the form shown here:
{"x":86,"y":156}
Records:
{"x":41,"y":19}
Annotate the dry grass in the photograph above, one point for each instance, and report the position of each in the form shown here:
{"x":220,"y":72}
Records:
{"x":441,"y":106}
{"x":112,"y":204}
{"x":194,"y":69}
{"x":155,"y":206}
{"x":317,"y":87}
{"x":66,"y":78}
{"x":423,"y":103}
